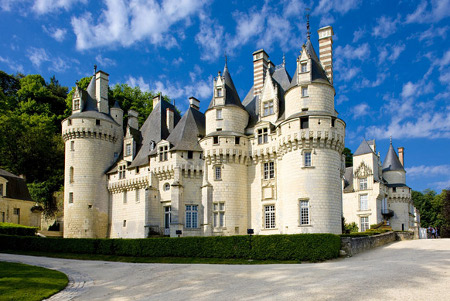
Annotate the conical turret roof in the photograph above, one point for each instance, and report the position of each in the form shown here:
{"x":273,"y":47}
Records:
{"x":391,"y":162}
{"x":185,"y":135}
{"x":231,"y":95}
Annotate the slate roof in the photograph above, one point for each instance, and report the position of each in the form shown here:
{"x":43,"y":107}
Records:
{"x":250,"y":104}
{"x":231,"y":95}
{"x":16,"y":188}
{"x":364,"y":148}
{"x":348,"y":179}
{"x":391,"y":162}
{"x":188,"y":130}
{"x":154,"y":129}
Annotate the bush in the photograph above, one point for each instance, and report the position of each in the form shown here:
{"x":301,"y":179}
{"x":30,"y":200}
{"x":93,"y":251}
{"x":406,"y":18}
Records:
{"x":301,"y":247}
{"x":15,"y":229}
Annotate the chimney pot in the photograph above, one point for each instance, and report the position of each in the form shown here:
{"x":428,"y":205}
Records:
{"x":170,"y":119}
{"x":326,"y":50}
{"x":401,"y":155}
{"x":194,"y":103}
{"x":156,"y":100}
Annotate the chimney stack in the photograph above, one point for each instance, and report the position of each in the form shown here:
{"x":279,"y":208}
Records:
{"x":101,"y":91}
{"x":194,"y":103}
{"x":326,"y":50}
{"x":156,"y":100}
{"x":170,"y":119}
{"x":260,"y":65}
{"x":401,"y":155}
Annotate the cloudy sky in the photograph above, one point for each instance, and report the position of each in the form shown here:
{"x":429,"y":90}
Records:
{"x":391,"y":58}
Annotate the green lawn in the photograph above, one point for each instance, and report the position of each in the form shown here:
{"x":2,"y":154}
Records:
{"x":25,"y":282}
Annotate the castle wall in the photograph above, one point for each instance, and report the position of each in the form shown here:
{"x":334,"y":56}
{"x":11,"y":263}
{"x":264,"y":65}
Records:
{"x":320,"y":98}
{"x":233,"y":119}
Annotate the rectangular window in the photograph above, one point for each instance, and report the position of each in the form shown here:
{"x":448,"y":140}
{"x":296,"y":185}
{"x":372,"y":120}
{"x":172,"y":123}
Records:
{"x":218,"y":173}
{"x":137,"y":196}
{"x":304,"y":212}
{"x":237,"y":140}
{"x":268,"y":108}
{"x":124,"y":223}
{"x":304,"y":91}
{"x":191,"y":216}
{"x":137,"y":170}
{"x":219,"y":214}
{"x":364,"y":223}
{"x":219,"y":92}
{"x":163,"y":153}
{"x":72,"y":145}
{"x":128,"y":149}
{"x":97,"y":121}
{"x":269,"y":217}
{"x":70,"y":197}
{"x":333,"y":122}
{"x":363,"y":200}
{"x":190,"y":154}
{"x":124,"y":196}
{"x":16,"y":211}
{"x":363,"y":184}
{"x":216,"y":140}
{"x":219,"y":114}
{"x":304,"y":67}
{"x":263,"y":136}
{"x":307,"y":159}
{"x":76,"y":104}
{"x":122,"y":172}
{"x":167,"y":216}
{"x":1,"y":189}
{"x":269,"y":170}
{"x":304,"y":122}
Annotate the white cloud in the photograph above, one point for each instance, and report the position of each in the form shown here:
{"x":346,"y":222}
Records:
{"x":138,"y":82}
{"x":385,"y":26}
{"x":37,"y":56}
{"x":346,"y":74}
{"x":442,"y":184}
{"x":358,"y":34}
{"x":210,"y":39}
{"x":390,"y":52}
{"x":326,"y":8}
{"x":58,"y":34}
{"x":14,"y":66}
{"x":365,"y":83}
{"x":47,"y":6}
{"x":422,"y":170}
{"x":248,"y":25}
{"x":125,"y":22}
{"x":177,"y":61}
{"x":431,"y":33}
{"x":361,"y":52}
{"x":104,"y":61}
{"x":360,"y":110}
{"x":439,"y":10}
{"x":414,"y":90}
{"x":341,"y":99}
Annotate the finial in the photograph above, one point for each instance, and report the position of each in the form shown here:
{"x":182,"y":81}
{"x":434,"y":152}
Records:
{"x":226,"y":61}
{"x":284,"y":60}
{"x":390,"y":139}
{"x":308,"y":33}
{"x":95,"y":69}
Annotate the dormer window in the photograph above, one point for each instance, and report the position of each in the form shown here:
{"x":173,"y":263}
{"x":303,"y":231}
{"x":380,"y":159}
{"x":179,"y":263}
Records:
{"x":268,"y":108}
{"x":219,"y":92}
{"x":219,"y":114}
{"x":76,"y":104}
{"x":305,"y":92}
{"x":163,"y":153}
{"x":122,"y":172}
{"x":304,"y":67}
{"x":128,"y":149}
{"x":263,"y":136}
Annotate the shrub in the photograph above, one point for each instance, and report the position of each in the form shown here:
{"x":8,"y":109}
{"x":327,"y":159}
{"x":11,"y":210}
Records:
{"x":15,"y":229}
{"x":301,"y":247}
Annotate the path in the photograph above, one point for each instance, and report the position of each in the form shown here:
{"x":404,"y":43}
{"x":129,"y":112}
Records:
{"x":407,"y":270}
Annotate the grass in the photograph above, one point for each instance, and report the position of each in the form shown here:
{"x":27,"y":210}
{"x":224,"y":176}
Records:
{"x":182,"y":260}
{"x":24,"y":282}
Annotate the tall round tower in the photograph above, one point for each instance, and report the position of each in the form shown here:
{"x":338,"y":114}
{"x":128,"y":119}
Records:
{"x":226,"y":153}
{"x":93,"y":141}
{"x":311,"y":140}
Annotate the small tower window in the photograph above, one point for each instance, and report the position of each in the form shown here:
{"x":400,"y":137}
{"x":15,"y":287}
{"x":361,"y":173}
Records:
{"x":216,"y":140}
{"x":218,"y":173}
{"x":304,"y":67}
{"x":97,"y":121}
{"x":128,"y":149}
{"x":305,"y":92}
{"x":70,"y":197}
{"x":269,"y":170}
{"x":71,"y":174}
{"x":76,"y":104}
{"x":307,"y":159}
{"x":72,"y":145}
{"x":69,"y":121}
{"x":237,"y":140}
{"x":166,"y":187}
{"x":333,"y":122}
{"x":190,"y":154}
{"x":304,"y":122}
{"x":219,"y":114}
{"x":1,"y":190}
{"x":125,"y":196}
{"x":124,"y":223}
{"x":219,"y":92}
{"x":268,"y":108}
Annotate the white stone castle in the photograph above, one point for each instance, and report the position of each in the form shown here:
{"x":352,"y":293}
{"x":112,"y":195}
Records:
{"x":272,"y":163}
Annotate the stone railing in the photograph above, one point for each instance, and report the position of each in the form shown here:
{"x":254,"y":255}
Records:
{"x":355,"y":245}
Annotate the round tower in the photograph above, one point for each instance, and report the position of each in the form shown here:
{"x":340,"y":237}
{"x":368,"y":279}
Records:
{"x":93,"y":140}
{"x":311,"y":141}
{"x":226,"y":153}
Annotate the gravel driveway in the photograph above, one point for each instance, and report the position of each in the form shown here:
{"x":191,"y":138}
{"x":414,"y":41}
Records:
{"x":406,"y":270}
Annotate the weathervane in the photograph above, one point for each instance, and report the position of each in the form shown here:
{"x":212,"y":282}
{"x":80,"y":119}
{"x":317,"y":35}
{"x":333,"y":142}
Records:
{"x":308,"y":33}
{"x":284,"y":60}
{"x":226,"y":60}
{"x":95,"y":69}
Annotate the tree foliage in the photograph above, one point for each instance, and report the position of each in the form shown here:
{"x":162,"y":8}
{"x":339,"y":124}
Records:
{"x":430,"y":205}
{"x":348,"y":157}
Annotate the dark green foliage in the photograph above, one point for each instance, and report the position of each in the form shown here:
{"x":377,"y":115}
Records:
{"x":14,"y":229}
{"x":430,"y":205}
{"x":300,"y":247}
{"x":445,"y":229}
{"x":348,"y":157}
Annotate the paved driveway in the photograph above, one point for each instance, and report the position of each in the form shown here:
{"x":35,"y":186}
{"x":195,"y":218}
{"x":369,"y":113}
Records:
{"x":407,"y":270}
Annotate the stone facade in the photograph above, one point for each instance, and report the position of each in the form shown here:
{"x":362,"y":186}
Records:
{"x":272,"y":162}
{"x":375,"y":192}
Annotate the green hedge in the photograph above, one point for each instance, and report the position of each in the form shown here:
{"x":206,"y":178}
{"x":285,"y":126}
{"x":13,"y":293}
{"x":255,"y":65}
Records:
{"x":15,"y":229}
{"x":301,"y":247}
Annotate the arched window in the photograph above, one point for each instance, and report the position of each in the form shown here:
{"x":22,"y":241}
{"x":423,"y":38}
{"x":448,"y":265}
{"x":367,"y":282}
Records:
{"x":166,"y":187}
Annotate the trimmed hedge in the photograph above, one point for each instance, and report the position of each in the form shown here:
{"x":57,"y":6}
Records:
{"x":15,"y":229}
{"x":301,"y":247}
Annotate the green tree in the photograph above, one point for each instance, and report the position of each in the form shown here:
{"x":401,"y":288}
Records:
{"x":83,"y":84}
{"x":445,"y":229}
{"x":430,"y":206}
{"x":348,"y":157}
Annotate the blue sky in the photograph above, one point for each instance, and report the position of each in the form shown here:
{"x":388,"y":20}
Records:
{"x":391,"y":58}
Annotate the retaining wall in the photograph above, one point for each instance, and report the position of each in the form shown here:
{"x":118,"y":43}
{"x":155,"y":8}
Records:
{"x":355,"y":245}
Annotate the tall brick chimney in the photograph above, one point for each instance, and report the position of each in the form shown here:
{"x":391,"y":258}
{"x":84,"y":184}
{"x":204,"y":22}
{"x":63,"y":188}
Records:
{"x":326,"y":50}
{"x":401,"y":155}
{"x":101,"y":91}
{"x":260,"y":65}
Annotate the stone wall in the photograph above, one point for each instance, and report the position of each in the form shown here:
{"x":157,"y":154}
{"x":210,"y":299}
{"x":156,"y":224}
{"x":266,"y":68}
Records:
{"x":404,"y":235}
{"x":355,"y":245}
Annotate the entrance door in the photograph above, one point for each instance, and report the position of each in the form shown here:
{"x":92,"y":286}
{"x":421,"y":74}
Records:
{"x":167,"y":219}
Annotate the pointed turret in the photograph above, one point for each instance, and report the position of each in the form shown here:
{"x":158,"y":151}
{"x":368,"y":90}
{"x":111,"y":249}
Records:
{"x":224,"y":91}
{"x":393,"y":171}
